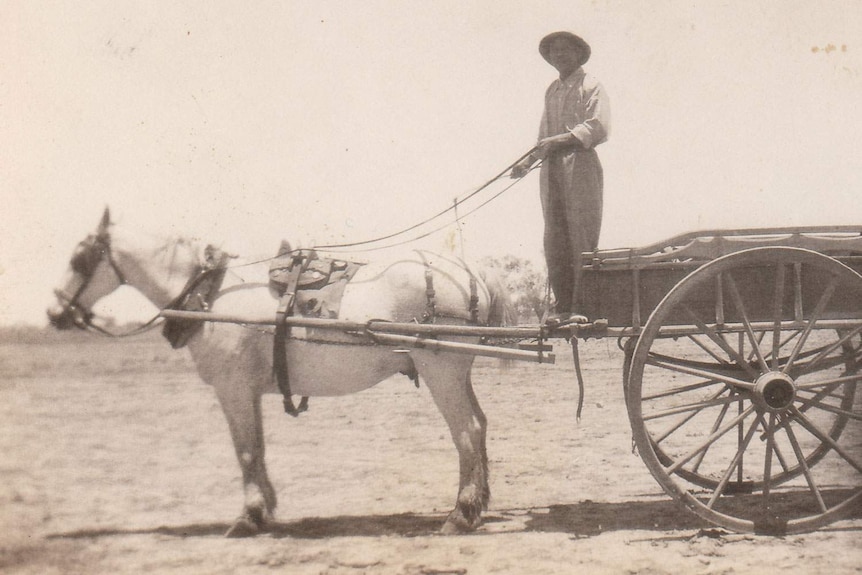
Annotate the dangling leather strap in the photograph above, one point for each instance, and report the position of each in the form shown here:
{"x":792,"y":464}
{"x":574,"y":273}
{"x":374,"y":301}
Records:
{"x":430,"y":296}
{"x":279,"y":351}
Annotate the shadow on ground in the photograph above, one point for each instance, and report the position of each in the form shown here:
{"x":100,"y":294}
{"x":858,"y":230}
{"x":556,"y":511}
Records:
{"x":580,"y":519}
{"x":584,"y":519}
{"x":590,"y":518}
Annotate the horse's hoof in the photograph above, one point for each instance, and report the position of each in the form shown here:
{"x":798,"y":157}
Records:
{"x":243,"y":527}
{"x":450,"y":528}
{"x":456,"y":524}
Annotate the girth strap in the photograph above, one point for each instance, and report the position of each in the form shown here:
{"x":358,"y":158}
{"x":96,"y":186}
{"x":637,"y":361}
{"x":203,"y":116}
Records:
{"x":282,"y":330}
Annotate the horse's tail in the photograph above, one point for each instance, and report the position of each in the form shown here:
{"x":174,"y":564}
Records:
{"x":501,"y":311}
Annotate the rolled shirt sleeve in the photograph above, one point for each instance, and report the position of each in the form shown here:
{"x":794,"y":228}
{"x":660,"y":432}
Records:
{"x":595,"y":127}
{"x":578,"y":105}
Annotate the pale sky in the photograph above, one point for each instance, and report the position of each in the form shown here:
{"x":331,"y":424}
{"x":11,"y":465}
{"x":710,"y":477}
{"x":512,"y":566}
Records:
{"x":244,"y":123}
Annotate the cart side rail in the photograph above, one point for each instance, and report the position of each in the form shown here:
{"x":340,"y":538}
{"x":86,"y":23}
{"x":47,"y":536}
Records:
{"x":624,"y":286}
{"x":707,"y":245}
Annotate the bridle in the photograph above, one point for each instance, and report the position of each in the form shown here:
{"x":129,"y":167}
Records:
{"x":88,"y":255}
{"x":86,"y":259}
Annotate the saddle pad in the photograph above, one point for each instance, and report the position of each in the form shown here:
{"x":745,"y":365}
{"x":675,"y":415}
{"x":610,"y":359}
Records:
{"x":323,"y":302}
{"x":320,"y":285}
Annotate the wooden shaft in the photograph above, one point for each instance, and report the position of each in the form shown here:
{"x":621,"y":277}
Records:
{"x":392,"y":333}
{"x":464,"y":348}
{"x":375,"y":325}
{"x":216,"y":317}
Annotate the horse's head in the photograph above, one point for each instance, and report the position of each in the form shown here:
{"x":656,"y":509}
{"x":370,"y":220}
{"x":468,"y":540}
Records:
{"x":92,"y":274}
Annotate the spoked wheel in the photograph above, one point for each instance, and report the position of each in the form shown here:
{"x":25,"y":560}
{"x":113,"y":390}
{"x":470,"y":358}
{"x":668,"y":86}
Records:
{"x":743,"y":380}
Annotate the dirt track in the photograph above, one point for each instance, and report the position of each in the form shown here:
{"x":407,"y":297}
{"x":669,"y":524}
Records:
{"x":116,"y":459}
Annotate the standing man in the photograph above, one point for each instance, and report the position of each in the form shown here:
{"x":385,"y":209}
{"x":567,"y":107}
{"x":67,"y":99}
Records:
{"x":576,"y":120}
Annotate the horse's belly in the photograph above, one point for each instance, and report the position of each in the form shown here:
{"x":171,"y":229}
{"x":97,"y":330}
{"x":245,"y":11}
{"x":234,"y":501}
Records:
{"x":318,"y":369}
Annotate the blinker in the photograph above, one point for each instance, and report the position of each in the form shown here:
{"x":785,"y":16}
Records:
{"x":87,"y":257}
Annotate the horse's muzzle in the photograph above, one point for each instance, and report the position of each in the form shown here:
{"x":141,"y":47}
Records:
{"x":62,"y":317}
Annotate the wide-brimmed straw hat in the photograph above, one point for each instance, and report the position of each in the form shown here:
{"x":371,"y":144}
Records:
{"x":576,"y":41}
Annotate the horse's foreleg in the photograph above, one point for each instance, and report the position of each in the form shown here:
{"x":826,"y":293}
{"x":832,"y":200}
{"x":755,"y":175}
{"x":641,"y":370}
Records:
{"x":241,"y":406}
{"x":448,"y":380}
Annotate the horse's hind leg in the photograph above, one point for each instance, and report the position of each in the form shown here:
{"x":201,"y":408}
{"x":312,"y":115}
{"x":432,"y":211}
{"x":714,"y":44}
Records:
{"x":448,"y":379}
{"x":241,"y":406}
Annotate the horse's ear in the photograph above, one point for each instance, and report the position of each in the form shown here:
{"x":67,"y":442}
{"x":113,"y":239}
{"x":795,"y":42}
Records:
{"x":106,"y":221}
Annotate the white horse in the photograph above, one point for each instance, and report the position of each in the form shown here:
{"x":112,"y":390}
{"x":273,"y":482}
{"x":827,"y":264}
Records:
{"x":237,"y":361}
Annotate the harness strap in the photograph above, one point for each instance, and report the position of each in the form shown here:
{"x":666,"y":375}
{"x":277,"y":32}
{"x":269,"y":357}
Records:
{"x":282,"y":330}
{"x":474,"y":300}
{"x":430,"y":296}
{"x":110,"y":254}
{"x":576,"y":356}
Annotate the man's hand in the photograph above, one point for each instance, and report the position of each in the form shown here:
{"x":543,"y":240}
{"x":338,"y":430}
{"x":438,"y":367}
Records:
{"x":552,"y":143}
{"x":522,"y":168}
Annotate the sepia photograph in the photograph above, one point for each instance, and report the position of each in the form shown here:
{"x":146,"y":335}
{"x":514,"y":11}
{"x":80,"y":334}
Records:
{"x":430,"y":288}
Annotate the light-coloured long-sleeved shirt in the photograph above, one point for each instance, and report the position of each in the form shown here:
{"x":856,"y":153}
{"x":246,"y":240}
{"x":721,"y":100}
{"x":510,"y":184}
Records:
{"x":577,"y":104}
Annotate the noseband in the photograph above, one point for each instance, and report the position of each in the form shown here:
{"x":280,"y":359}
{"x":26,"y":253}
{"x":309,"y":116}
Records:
{"x":84,"y":262}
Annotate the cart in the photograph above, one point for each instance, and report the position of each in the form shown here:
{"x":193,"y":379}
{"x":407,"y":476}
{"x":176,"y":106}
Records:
{"x":742,"y":356}
{"x":742,"y":352}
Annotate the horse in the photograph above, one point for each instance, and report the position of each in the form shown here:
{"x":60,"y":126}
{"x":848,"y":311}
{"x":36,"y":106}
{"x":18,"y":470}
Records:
{"x":238,"y":361}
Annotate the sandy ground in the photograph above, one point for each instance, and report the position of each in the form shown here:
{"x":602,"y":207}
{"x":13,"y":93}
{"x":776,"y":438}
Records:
{"x":117,"y":459}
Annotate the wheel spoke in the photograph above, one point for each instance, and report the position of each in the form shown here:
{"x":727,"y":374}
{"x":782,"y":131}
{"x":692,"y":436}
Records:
{"x":808,"y":403}
{"x":759,"y":338}
{"x":834,"y":382}
{"x":698,"y":406}
{"x":781,"y":345}
{"x":815,"y":316}
{"x":699,"y":459}
{"x":687,"y":418}
{"x":767,"y":461}
{"x":725,"y":478}
{"x":720,"y":342}
{"x":826,"y":351}
{"x":689,"y":370}
{"x":682,"y":389}
{"x":778,"y":454}
{"x":710,"y":440}
{"x":739,"y":436}
{"x":781,"y":459}
{"x":825,"y":393}
{"x":711,"y":353}
{"x":801,"y":368}
{"x":746,"y":322}
{"x":803,"y":464}
{"x":813,"y":430}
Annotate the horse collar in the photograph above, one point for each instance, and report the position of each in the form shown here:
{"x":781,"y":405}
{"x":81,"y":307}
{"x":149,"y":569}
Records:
{"x":197,"y":295}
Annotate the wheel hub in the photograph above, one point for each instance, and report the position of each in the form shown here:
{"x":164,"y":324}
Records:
{"x":774,"y":391}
